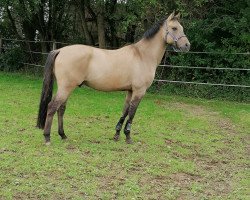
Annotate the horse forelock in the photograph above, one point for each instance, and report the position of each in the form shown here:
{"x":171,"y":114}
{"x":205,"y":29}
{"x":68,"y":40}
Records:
{"x":150,"y":33}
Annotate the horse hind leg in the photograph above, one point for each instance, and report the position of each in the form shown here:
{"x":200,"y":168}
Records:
{"x":60,"y":99}
{"x":123,"y":117}
{"x":52,"y":108}
{"x":60,"y":113}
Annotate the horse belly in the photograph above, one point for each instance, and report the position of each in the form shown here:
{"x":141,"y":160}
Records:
{"x":109,"y":71}
{"x":109,"y":82}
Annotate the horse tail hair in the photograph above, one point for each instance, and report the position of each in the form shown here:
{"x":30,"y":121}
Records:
{"x":47,"y":89}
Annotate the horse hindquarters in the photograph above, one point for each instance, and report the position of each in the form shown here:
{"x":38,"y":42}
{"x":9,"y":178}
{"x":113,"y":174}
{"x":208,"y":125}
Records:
{"x":47,"y":89}
{"x":49,"y":107}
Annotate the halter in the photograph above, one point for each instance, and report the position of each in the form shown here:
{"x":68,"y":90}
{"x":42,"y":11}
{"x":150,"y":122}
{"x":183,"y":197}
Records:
{"x":176,"y":39}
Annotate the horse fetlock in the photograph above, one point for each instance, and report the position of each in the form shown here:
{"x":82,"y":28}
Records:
{"x":127,"y":128}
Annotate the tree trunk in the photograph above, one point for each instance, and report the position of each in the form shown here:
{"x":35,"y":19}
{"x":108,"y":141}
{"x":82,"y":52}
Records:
{"x":130,"y":35}
{"x":112,"y":24}
{"x":101,"y":30}
{"x":12,"y":21}
{"x":88,"y":37}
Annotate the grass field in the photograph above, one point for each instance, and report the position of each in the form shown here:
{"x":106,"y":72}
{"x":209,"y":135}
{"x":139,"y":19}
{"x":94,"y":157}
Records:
{"x":183,"y":148}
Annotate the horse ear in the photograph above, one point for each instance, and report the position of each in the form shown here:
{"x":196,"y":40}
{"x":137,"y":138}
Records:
{"x":171,"y":16}
{"x":178,"y":16}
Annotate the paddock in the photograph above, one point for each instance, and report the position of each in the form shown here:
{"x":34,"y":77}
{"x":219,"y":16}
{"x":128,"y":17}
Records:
{"x":184,"y":148}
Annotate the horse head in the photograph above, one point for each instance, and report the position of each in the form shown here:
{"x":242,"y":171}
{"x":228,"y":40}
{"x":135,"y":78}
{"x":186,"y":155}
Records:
{"x":174,"y":34}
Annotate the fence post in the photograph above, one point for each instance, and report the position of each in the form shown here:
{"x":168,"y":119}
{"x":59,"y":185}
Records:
{"x":1,"y":44}
{"x":54,"y":45}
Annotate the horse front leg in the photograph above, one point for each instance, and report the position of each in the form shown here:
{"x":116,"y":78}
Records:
{"x":135,"y":101}
{"x":123,"y":117}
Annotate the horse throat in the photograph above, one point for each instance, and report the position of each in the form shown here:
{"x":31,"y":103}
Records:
{"x":153,"y":49}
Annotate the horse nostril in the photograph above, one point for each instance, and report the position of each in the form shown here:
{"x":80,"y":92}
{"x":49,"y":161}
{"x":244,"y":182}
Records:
{"x":187,"y":44}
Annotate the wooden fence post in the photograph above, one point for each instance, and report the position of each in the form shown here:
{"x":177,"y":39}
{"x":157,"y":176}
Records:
{"x":54,"y":45}
{"x":1,"y":44}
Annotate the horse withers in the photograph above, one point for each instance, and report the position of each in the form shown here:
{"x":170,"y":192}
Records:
{"x":130,"y":68}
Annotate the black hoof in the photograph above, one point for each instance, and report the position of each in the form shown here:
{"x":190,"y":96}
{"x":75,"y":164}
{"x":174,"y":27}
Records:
{"x":47,"y":139}
{"x":64,"y":137}
{"x":129,"y":141}
{"x":116,"y":137}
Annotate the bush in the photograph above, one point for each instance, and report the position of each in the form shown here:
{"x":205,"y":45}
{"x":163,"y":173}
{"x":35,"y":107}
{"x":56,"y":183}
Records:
{"x":12,"y":59}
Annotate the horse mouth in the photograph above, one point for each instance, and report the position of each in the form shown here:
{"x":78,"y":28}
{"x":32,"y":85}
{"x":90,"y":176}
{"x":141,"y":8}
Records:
{"x":181,"y":49}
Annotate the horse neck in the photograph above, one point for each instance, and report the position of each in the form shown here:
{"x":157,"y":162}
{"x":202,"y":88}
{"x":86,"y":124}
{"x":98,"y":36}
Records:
{"x":153,"y":49}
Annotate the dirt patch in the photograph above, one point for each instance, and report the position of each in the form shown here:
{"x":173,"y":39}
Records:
{"x":218,"y":166}
{"x":189,"y":109}
{"x":212,"y":117}
{"x":71,"y":148}
{"x":95,"y":141}
{"x":156,"y":186}
{"x":110,"y":184}
{"x":227,"y":125}
{"x":170,"y":142}
{"x":184,"y":180}
{"x":5,"y":150}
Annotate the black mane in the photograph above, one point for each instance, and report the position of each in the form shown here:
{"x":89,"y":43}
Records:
{"x":154,"y":29}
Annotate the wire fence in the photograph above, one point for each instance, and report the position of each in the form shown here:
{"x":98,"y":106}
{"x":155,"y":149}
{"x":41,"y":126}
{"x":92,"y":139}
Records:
{"x":55,"y":43}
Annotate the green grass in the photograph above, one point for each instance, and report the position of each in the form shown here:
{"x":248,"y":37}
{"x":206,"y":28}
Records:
{"x":184,"y":148}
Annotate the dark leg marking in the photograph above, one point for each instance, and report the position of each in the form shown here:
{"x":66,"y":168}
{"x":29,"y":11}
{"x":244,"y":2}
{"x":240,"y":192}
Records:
{"x":60,"y":113}
{"x":118,"y":128}
{"x":132,"y":110}
{"x":124,"y":115}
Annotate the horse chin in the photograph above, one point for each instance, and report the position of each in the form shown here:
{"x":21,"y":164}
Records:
{"x":185,"y":49}
{"x":180,"y":49}
{"x":176,"y":49}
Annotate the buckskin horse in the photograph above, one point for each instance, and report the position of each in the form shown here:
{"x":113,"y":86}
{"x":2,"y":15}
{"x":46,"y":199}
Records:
{"x":130,"y":68}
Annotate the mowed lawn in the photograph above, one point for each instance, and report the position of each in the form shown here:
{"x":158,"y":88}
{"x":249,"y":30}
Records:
{"x":184,"y":148}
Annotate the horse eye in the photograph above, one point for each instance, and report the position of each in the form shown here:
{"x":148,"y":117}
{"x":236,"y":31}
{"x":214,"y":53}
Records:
{"x":174,"y":29}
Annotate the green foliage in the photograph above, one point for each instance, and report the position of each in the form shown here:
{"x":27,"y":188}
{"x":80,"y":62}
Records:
{"x":12,"y":59}
{"x":224,"y":30}
{"x":203,"y":91}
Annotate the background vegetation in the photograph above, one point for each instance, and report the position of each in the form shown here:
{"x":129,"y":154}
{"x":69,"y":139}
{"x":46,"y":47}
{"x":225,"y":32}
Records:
{"x":213,"y":26}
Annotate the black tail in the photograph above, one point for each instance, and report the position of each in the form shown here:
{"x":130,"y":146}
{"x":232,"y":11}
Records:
{"x":47,"y":90}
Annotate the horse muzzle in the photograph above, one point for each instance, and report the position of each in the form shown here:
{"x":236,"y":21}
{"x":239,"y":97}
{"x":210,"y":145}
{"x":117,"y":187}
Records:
{"x":185,"y":47}
{"x":181,"y":43}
